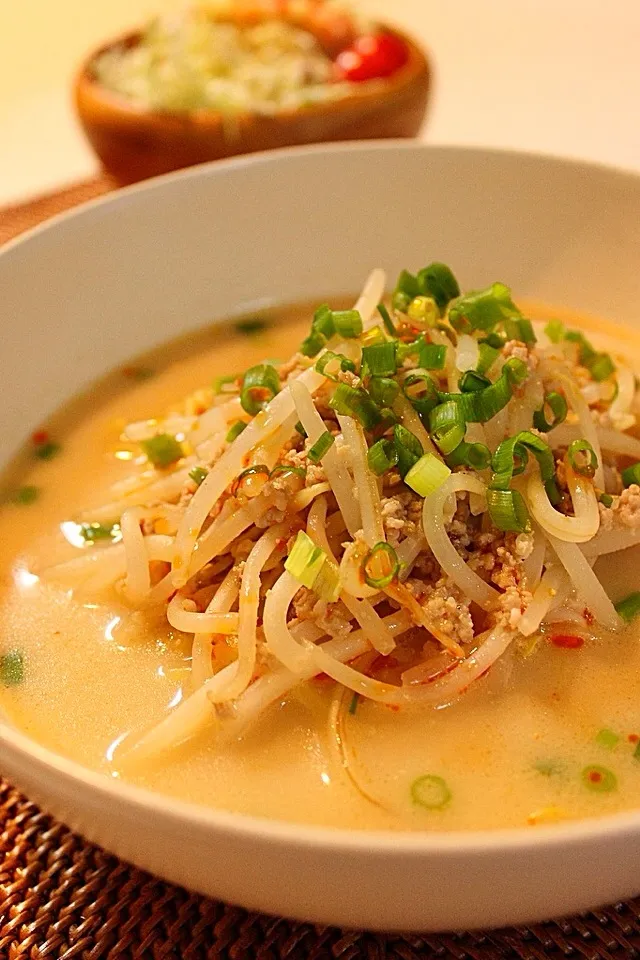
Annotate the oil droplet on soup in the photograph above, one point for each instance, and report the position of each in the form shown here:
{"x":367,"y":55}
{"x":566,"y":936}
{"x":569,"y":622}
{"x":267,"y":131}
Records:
{"x":558,"y":740}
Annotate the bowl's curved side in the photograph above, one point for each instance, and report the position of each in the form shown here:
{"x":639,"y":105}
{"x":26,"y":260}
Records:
{"x":134,"y":144}
{"x":309,"y":875}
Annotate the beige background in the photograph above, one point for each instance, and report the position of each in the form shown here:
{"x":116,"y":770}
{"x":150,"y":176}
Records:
{"x":561,"y":76}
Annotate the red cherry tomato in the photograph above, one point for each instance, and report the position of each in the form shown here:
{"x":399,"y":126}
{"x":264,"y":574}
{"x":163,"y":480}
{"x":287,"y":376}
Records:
{"x":372,"y":56}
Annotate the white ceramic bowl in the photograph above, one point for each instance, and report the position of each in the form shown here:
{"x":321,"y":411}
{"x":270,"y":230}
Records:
{"x":82,"y":294}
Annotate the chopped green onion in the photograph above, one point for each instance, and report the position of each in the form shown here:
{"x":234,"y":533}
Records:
{"x":599,"y":779}
{"x":438,"y":282}
{"x":162,"y":450}
{"x":599,"y":365}
{"x":427,"y":475}
{"x":330,"y":364}
{"x":474,"y":455}
{"x":605,"y":499}
{"x":260,"y":385}
{"x":516,"y":370}
{"x":555,"y":331}
{"x":382,"y":456}
{"x":386,"y":319}
{"x":25,"y":495}
{"x":586,"y":352}
{"x":629,"y":607}
{"x":406,"y":289}
{"x":430,"y":792}
{"x":322,"y":445}
{"x":607,"y":738}
{"x":311,"y":566}
{"x":348,"y":323}
{"x":380,"y":358}
{"x":602,"y":367}
{"x":353,"y":706}
{"x":11,"y":668}
{"x":350,"y":402}
{"x":432,"y":356}
{"x":471,"y":381}
{"x":323,"y":321}
{"x":519,"y":328}
{"x":91,"y":532}
{"x":235,"y":430}
{"x":198,"y":475}
{"x":583,"y":459}
{"x":487,"y":356}
{"x":447,"y":426}
{"x":251,"y":325}
{"x":221,"y":382}
{"x":552,"y":413}
{"x":250,"y":482}
{"x":286,"y":470}
{"x":482,"y":405}
{"x":388,"y":419}
{"x":313,"y":344}
{"x":423,"y":311}
{"x":408,"y":448}
{"x":380,"y":566}
{"x":511,"y":457}
{"x":305,"y":560}
{"x":494,"y":340}
{"x":372,"y":336}
{"x":383,"y":391}
{"x":631,"y":475}
{"x":421,"y":391}
{"x":400,"y":301}
{"x":300,"y":429}
{"x":507,"y":510}
{"x":483,"y":309}
{"x":549,"y":768}
{"x":327,"y":583}
{"x":47,"y":451}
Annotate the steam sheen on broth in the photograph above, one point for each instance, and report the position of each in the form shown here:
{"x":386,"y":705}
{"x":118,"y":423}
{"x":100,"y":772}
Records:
{"x":548,"y":734}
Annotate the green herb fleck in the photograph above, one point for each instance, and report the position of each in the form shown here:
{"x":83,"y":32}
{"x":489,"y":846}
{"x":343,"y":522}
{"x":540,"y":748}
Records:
{"x":198,"y":475}
{"x":90,"y":532}
{"x":599,"y":779}
{"x":47,"y":451}
{"x":25,"y":495}
{"x":353,"y":706}
{"x":220,"y":382}
{"x":162,"y":450}
{"x":430,"y":792}
{"x":251,"y":326}
{"x":607,"y":738}
{"x":549,"y":767}
{"x":12,"y":668}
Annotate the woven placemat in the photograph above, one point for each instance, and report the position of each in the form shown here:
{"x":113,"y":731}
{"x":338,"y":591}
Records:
{"x":63,"y":898}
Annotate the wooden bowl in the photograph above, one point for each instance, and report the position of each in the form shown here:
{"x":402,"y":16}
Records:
{"x":134,"y":143}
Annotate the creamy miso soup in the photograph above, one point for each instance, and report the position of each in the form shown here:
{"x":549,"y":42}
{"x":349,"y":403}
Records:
{"x":385,"y":582}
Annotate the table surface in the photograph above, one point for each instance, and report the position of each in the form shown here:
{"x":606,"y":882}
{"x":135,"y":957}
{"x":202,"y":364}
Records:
{"x":556,"y":76}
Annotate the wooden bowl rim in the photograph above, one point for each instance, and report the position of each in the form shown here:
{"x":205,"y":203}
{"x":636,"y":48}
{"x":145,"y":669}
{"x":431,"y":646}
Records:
{"x":86,"y":87}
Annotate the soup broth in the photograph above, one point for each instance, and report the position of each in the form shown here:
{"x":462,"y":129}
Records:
{"x":535,"y":741}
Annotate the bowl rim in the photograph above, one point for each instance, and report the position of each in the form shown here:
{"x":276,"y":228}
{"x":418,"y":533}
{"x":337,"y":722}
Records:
{"x":87,"y":88}
{"x":412,"y":844}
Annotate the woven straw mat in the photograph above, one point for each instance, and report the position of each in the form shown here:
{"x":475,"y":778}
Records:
{"x":63,"y":898}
